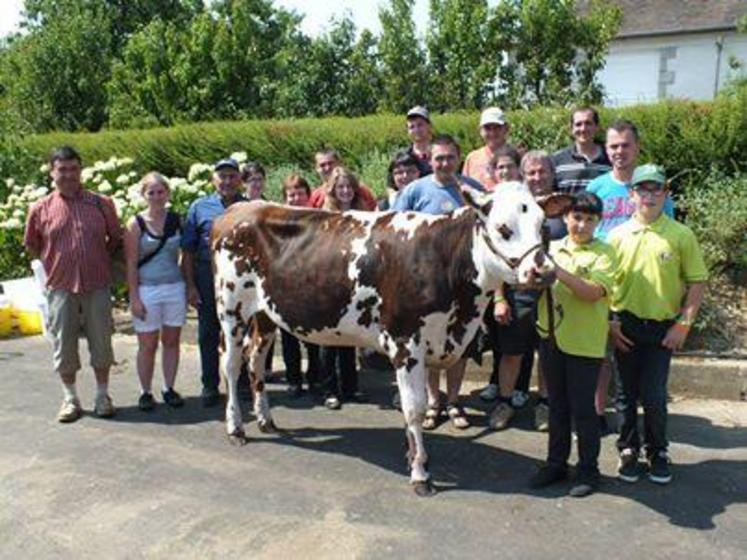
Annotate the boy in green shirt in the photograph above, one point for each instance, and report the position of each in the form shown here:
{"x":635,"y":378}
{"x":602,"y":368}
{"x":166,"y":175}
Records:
{"x":659,"y":286}
{"x":573,"y":342}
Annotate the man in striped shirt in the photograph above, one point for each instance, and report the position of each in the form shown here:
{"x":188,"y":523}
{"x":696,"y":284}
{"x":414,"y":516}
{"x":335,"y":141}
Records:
{"x":585,"y":159}
{"x":73,"y":232}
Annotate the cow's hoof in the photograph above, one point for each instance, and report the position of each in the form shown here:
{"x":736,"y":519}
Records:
{"x":237,"y":437}
{"x":267,"y":427}
{"x":424,"y":488}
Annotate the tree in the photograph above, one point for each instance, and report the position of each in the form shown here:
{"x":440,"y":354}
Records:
{"x":461,"y":57}
{"x":553,"y":49}
{"x":222,"y":65}
{"x":403,"y":64}
{"x":54,"y":76}
{"x":332,"y":74}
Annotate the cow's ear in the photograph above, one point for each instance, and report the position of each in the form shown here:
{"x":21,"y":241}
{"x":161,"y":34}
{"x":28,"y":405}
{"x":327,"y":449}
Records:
{"x":477,"y":200}
{"x":555,"y":204}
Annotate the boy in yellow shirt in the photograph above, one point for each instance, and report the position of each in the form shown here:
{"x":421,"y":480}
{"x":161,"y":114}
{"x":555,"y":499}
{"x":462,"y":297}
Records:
{"x":659,"y":286}
{"x":573,"y":326}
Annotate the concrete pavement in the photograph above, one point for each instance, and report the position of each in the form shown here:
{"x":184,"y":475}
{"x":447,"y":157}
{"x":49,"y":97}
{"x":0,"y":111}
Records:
{"x":333,"y":484}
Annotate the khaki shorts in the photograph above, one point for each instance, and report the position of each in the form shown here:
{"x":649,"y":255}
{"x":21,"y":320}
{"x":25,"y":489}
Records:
{"x":69,"y":315}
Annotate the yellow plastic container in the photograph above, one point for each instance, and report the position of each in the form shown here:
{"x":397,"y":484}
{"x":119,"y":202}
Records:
{"x":28,"y":322}
{"x":6,"y":321}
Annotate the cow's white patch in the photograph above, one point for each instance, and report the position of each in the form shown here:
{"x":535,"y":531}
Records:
{"x":409,"y":222}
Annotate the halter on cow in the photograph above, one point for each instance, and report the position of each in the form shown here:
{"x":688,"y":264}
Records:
{"x":412,"y":285}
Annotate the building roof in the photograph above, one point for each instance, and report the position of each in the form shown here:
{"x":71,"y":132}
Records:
{"x":665,"y":17}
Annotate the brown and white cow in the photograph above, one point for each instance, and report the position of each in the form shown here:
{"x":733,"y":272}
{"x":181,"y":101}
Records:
{"x":413,"y":285}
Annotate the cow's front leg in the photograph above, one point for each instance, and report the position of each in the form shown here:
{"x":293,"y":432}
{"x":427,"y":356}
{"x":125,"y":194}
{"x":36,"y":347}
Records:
{"x":262,"y":337}
{"x":410,"y":365}
{"x":232,"y":342}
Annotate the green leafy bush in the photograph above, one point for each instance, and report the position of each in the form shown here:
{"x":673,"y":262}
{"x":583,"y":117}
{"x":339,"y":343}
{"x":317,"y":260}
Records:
{"x":715,"y":207}
{"x":682,"y":135}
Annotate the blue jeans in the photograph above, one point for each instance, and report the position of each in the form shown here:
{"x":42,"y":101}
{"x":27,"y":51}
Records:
{"x":208,"y":328}
{"x":644,"y":372}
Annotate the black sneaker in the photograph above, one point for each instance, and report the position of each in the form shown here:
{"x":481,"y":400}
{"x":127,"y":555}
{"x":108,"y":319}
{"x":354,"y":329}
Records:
{"x":146,"y":403}
{"x":172,"y":398}
{"x":547,"y":475}
{"x":210,"y":397}
{"x":585,"y":484}
{"x":627,"y":468}
{"x":659,"y":470}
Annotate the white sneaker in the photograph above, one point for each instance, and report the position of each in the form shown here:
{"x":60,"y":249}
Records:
{"x":104,"y":407}
{"x":70,"y":411}
{"x":519,"y":399}
{"x":489,"y":393}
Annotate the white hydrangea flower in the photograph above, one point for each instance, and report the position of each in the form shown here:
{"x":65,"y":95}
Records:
{"x":87,"y":174}
{"x":18,"y":213}
{"x":44,"y":168}
{"x":105,"y":186}
{"x":177,"y":183}
{"x":122,"y":179}
{"x":199,"y":170}
{"x":12,"y":223}
{"x":132,"y":174}
{"x":9,"y":182}
{"x":240,"y":157}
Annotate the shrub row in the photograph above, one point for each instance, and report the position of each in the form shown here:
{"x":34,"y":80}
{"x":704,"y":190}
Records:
{"x":684,"y":136}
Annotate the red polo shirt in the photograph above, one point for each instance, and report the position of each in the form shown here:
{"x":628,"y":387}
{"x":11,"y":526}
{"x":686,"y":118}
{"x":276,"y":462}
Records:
{"x":316,"y":200}
{"x":73,"y":237}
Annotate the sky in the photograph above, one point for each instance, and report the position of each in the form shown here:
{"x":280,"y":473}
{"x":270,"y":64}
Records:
{"x":318,"y":13}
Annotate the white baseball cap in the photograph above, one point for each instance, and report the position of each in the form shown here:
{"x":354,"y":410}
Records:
{"x":492,"y":115}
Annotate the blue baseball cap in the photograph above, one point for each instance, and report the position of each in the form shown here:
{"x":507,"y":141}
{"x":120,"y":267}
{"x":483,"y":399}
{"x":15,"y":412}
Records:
{"x":227,"y":162}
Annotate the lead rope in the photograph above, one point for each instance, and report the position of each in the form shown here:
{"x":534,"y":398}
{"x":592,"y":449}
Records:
{"x":548,"y":296}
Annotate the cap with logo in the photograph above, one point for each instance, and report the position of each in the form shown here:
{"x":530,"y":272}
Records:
{"x":648,"y":173}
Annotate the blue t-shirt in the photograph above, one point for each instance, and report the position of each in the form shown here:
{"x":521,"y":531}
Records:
{"x":431,"y":197}
{"x":618,"y":207}
{"x":196,"y":229}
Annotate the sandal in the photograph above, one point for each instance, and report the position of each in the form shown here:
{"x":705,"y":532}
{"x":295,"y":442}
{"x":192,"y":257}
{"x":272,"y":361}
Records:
{"x":457,"y":415}
{"x":430,"y":421}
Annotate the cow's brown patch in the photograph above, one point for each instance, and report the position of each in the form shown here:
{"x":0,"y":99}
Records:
{"x":300,"y":255}
{"x":420,"y":274}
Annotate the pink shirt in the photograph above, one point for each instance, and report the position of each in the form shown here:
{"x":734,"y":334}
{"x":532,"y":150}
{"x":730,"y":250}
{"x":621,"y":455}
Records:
{"x":478,"y":166}
{"x":73,"y":237}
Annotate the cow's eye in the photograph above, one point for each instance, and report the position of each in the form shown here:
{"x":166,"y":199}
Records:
{"x":524,"y":208}
{"x":505,"y":231}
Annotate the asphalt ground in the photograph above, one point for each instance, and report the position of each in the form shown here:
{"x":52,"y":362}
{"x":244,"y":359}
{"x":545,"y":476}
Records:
{"x":333,"y":484}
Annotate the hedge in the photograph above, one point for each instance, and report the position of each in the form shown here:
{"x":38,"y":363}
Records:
{"x":684,"y":136}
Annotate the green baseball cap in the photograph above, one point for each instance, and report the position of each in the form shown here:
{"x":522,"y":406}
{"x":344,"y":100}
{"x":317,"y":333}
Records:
{"x":648,"y":172}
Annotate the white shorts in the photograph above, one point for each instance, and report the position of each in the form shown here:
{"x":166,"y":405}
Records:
{"x":165,"y":306}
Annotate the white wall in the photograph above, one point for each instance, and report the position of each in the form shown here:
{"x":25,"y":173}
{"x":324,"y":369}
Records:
{"x":684,"y":66}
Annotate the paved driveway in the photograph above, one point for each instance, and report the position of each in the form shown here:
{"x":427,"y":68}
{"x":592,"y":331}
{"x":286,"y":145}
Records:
{"x":333,"y":484}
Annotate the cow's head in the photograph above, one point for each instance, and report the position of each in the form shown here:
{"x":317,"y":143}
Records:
{"x":512,"y":230}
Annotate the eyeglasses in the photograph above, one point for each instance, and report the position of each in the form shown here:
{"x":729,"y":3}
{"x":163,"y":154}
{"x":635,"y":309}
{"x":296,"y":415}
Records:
{"x":649,"y":192}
